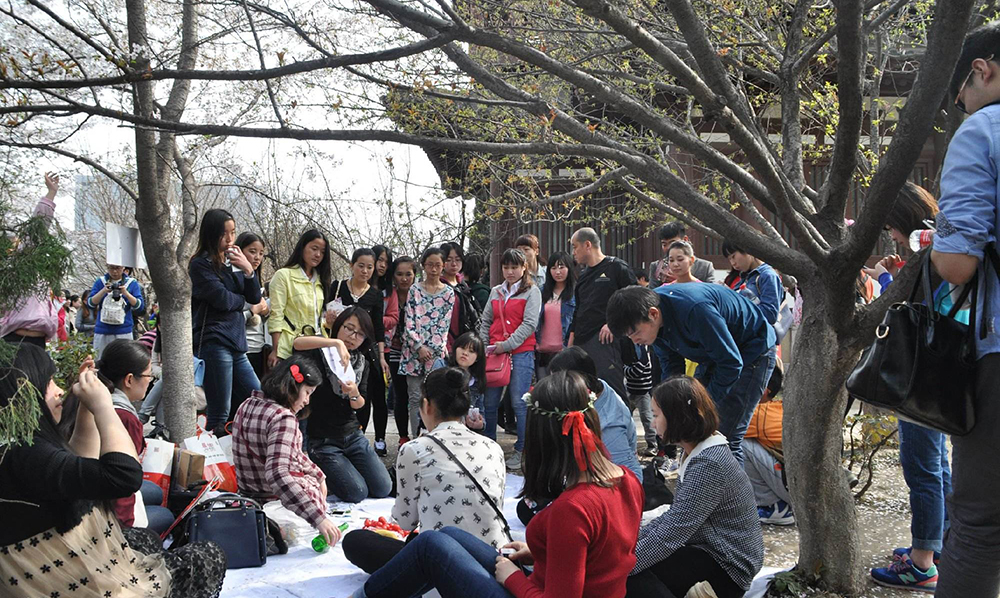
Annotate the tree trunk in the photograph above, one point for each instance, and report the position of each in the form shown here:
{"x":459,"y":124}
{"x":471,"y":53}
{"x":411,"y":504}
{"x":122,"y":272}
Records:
{"x":813,"y":441}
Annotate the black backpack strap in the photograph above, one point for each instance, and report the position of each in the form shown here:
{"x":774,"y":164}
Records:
{"x":451,"y":455}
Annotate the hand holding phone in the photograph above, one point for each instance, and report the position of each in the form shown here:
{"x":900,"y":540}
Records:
{"x":491,"y":349}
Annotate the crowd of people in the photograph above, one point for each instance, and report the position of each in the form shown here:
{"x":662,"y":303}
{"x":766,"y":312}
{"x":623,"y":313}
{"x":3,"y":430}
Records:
{"x":560,"y":354}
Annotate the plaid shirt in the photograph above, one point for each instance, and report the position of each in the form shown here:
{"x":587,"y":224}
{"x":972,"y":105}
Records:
{"x":267,"y":450}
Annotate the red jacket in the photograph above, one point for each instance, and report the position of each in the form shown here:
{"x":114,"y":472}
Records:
{"x":516,"y":332}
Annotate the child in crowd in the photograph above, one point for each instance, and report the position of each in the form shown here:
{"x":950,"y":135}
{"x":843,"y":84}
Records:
{"x":469,"y":354}
{"x":434,"y":487}
{"x":509,"y":322}
{"x":267,"y":444}
{"x":582,"y":545}
{"x":711,"y":532}
{"x":639,"y":383}
{"x":336,"y":443}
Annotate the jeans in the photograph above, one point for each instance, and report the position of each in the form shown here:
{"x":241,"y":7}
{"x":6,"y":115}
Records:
{"x":644,"y":404}
{"x":736,"y":410}
{"x":970,"y":561}
{"x":374,"y":400}
{"x":923,"y":454}
{"x":521,"y":371}
{"x":455,"y":562}
{"x":228,"y":374}
{"x":764,"y":472}
{"x":103,"y":340}
{"x":159,"y":518}
{"x":353,"y":470}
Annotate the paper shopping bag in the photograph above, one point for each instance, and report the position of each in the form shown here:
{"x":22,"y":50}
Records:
{"x":157,"y":461}
{"x":216,"y":463}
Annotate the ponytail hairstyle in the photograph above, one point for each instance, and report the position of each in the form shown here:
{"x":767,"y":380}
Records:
{"x":280,"y":385}
{"x":448,"y":390}
{"x":470,"y":341}
{"x":516,"y":257}
{"x":119,"y":359}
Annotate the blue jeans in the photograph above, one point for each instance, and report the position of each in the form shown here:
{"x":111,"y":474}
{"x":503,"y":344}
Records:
{"x":521,"y":370}
{"x":353,"y":470}
{"x":736,"y":410}
{"x":228,"y":374}
{"x":159,"y":517}
{"x":455,"y":562}
{"x":923,"y":454}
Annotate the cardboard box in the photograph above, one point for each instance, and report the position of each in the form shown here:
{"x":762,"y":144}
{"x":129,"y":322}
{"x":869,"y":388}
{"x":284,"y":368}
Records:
{"x":189,"y":467}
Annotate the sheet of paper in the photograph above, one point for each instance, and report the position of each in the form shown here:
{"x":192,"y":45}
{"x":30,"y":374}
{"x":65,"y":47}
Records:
{"x":124,"y":246}
{"x":333,"y":360}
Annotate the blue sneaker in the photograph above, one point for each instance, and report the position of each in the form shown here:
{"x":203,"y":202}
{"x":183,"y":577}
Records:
{"x":905,"y":575}
{"x":780,"y":513}
{"x":900,"y":552}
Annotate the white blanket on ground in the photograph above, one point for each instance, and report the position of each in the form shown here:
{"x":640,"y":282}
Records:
{"x":303,"y":573}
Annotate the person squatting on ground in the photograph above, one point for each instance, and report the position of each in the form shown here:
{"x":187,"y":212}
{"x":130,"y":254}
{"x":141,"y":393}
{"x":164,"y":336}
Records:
{"x":764,"y":459}
{"x":56,"y":532}
{"x":434,"y":491}
{"x":711,"y":533}
{"x":267,"y":444}
{"x":508,"y":325}
{"x":722,"y":331}
{"x":581,"y":545}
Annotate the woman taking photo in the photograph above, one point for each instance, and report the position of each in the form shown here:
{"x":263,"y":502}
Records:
{"x":403,"y":273}
{"x":297,"y":293}
{"x":581,"y":545}
{"x":711,"y":532}
{"x":336,"y":443}
{"x":55,"y":530}
{"x":222,"y":282}
{"x":426,"y":321}
{"x":359,"y":290}
{"x":558,"y":305}
{"x":255,"y":315}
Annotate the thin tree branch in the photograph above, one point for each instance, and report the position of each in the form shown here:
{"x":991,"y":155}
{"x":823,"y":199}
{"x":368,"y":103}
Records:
{"x":667,"y":208}
{"x":76,"y":158}
{"x":263,"y":66}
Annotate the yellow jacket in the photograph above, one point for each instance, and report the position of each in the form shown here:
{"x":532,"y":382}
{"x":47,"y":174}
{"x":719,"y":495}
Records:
{"x":296,"y":302}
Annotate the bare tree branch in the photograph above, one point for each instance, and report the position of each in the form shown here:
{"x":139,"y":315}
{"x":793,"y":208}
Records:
{"x":76,"y":158}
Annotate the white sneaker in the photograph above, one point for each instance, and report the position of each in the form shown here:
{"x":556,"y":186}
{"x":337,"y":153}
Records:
{"x":514,"y":461}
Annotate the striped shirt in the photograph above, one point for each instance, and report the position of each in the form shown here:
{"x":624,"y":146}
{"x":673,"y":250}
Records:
{"x":639,"y":373}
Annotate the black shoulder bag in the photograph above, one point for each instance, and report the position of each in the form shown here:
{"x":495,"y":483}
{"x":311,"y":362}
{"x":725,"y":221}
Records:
{"x":922,"y":363}
{"x":451,"y":455}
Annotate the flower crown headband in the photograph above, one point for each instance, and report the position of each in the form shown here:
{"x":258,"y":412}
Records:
{"x":574,"y":426}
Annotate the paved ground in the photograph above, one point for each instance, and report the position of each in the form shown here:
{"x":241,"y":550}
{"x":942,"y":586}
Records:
{"x":884,"y":516}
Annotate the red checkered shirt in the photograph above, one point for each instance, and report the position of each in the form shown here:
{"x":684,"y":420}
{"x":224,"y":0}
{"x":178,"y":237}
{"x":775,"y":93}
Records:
{"x":267,"y":450}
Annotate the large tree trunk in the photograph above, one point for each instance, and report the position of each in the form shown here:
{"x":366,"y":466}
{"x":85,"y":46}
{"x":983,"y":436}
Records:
{"x":813,"y":441}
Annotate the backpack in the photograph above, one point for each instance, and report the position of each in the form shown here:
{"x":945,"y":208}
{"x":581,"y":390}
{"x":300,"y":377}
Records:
{"x":468,"y":314}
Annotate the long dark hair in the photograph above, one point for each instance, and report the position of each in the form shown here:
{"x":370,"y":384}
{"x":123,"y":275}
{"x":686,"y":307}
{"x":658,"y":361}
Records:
{"x":279,"y":385}
{"x":559,"y":257}
{"x":213,"y":226}
{"x":384,"y":281}
{"x":84,"y":298}
{"x":448,"y":390}
{"x":548,"y":461}
{"x":323,"y":269}
{"x":121,"y":358}
{"x":246,"y":239}
{"x":472,"y":342}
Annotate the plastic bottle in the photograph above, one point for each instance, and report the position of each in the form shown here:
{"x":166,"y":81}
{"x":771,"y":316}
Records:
{"x":921,"y":238}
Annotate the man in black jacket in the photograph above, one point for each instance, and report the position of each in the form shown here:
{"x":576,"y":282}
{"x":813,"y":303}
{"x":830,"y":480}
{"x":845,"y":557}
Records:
{"x":602,"y":275}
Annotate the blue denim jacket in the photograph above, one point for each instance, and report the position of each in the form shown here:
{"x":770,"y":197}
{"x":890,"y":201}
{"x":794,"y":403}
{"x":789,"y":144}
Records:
{"x":618,"y":429}
{"x":969,"y":218}
{"x":566,"y":310}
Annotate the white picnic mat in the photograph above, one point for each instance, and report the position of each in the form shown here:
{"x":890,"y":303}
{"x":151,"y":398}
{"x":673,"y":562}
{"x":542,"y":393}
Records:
{"x":303,"y":573}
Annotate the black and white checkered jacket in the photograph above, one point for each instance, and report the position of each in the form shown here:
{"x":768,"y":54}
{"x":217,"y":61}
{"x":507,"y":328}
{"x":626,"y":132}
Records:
{"x":714,"y":509}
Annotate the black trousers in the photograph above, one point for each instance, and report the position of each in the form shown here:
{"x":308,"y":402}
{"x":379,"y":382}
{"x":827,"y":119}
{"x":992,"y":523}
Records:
{"x":374,"y":398}
{"x":675,"y":575}
{"x":369,"y":551}
{"x":400,"y":400}
{"x":16,"y":339}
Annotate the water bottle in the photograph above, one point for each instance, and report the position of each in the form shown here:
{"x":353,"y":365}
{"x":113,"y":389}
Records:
{"x":921,"y":238}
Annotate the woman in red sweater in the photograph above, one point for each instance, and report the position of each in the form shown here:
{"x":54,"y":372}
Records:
{"x":581,"y":546}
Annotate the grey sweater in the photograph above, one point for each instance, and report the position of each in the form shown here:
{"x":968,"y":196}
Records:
{"x":524,"y":318}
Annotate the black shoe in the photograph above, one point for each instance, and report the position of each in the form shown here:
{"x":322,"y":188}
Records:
{"x":380,"y":449}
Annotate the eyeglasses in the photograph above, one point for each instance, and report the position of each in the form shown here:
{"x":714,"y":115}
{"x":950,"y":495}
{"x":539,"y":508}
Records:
{"x":959,"y":103}
{"x":454,"y":260}
{"x":354,"y":332}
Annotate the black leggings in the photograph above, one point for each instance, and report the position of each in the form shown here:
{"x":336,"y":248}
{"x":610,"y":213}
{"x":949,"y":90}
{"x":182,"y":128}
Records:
{"x":369,"y":551}
{"x":401,"y":400}
{"x":374,"y":400}
{"x":678,"y":573}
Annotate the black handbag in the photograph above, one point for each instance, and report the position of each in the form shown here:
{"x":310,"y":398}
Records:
{"x":237,"y":524}
{"x":922,"y":363}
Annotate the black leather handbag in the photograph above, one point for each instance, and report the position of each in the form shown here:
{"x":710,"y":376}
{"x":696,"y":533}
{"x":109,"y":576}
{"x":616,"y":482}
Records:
{"x":922,"y":363}
{"x":237,"y":524}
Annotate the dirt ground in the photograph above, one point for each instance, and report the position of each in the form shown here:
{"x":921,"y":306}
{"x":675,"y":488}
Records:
{"x":884,"y":516}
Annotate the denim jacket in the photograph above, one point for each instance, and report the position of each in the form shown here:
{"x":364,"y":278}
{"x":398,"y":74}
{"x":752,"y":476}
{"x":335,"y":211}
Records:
{"x":566,"y":310}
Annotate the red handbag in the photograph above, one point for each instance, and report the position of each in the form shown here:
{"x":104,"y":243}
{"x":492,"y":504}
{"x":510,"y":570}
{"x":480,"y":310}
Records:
{"x":498,"y":365}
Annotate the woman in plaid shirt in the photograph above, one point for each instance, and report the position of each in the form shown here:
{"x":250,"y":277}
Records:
{"x":267,"y":444}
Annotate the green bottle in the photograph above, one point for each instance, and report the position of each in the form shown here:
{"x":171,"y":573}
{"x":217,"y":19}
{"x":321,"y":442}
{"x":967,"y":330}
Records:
{"x":319,"y":542}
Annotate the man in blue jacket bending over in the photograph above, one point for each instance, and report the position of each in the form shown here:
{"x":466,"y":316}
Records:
{"x":724,"y":333}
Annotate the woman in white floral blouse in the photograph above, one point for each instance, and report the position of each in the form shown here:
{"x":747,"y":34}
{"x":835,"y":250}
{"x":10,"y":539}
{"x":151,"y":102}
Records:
{"x":433,"y":491}
{"x":427,"y":318}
